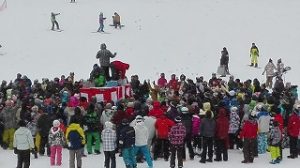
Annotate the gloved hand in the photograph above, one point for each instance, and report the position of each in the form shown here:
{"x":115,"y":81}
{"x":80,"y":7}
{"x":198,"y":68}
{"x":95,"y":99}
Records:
{"x":33,"y":151}
{"x":16,"y":151}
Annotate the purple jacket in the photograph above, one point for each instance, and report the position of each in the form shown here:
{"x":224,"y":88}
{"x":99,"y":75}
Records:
{"x":177,"y":134}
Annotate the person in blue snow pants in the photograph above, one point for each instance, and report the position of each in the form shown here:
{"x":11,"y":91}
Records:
{"x":262,"y":143}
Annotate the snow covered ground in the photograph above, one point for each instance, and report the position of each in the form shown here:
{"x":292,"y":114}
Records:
{"x":171,"y":36}
{"x":9,"y":160}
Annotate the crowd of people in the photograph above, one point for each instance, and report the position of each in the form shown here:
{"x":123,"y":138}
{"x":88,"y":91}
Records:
{"x":162,"y":119}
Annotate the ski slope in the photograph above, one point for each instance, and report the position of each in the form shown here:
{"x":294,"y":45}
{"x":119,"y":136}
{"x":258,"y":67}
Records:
{"x":171,"y":36}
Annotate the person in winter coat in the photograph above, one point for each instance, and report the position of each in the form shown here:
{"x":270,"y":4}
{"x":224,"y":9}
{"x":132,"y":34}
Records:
{"x":116,"y":20}
{"x":254,"y":54}
{"x":107,"y":114}
{"x":91,"y":120}
{"x":293,"y":128}
{"x":156,"y":111}
{"x":54,"y":21}
{"x":162,"y":81}
{"x":44,"y":124}
{"x":224,"y":61}
{"x":249,"y":134}
{"x":163,"y":126}
{"x":234,"y":126}
{"x":186,"y":119}
{"x":141,"y":139}
{"x":275,"y":142}
{"x":119,"y":69}
{"x":207,"y":130}
{"x":280,"y":68}
{"x":222,"y":127}
{"x":270,"y":71}
{"x":127,"y":141}
{"x":172,"y":112}
{"x":109,"y":139}
{"x":8,"y":116}
{"x":75,"y":139}
{"x":56,"y":143}
{"x":197,"y":141}
{"x":101,"y":22}
{"x":104,"y":56}
{"x":176,"y":137}
{"x":263,"y":129}
{"x":23,"y":143}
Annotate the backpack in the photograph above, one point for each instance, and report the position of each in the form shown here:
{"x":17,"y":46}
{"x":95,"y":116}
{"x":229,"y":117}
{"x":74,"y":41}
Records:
{"x":75,"y":140}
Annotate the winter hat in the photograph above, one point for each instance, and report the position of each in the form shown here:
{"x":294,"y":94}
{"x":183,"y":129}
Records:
{"x":232,"y":93}
{"x":56,"y":123}
{"x":22,"y":123}
{"x":178,"y":119}
{"x":233,"y":108}
{"x":139,"y":118}
{"x":108,"y":106}
{"x":184,"y":110}
{"x":108,"y":124}
{"x":114,"y":108}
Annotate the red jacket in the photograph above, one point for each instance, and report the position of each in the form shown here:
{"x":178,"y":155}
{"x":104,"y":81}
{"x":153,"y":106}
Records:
{"x":120,"y":67}
{"x":222,"y":124}
{"x":279,"y":119}
{"x":173,"y":84}
{"x":293,"y":125}
{"x":249,"y":130}
{"x":156,"y":111}
{"x":163,"y":126}
{"x":162,"y":82}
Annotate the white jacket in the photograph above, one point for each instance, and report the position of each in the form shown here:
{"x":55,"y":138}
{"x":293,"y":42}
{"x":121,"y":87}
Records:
{"x":141,"y":134}
{"x":23,"y":139}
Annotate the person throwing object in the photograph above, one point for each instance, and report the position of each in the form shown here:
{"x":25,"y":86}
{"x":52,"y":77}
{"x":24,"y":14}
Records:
{"x":53,"y":20}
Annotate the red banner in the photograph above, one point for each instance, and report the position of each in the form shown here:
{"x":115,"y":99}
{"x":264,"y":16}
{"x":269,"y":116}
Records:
{"x":106,"y":94}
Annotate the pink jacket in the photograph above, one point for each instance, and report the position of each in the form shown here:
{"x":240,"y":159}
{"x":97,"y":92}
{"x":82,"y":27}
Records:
{"x":196,"y":125}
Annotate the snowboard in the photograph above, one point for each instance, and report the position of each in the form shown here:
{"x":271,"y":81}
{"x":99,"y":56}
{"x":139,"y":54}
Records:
{"x":118,"y":26}
{"x":58,"y":30}
{"x":101,"y":32}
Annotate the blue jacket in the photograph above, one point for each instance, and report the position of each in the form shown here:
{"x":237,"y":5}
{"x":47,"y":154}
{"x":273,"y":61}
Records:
{"x":127,"y":137}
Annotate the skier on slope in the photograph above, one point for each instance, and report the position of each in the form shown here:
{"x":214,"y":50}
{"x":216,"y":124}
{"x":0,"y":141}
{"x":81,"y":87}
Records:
{"x":53,"y":20}
{"x":101,"y":22}
{"x":254,"y":53}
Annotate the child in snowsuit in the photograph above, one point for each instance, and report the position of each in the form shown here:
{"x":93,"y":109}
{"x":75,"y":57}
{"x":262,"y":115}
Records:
{"x":254,"y":54}
{"x":275,"y":139}
{"x":249,"y":134}
{"x":56,"y":142}
{"x":176,"y":137}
